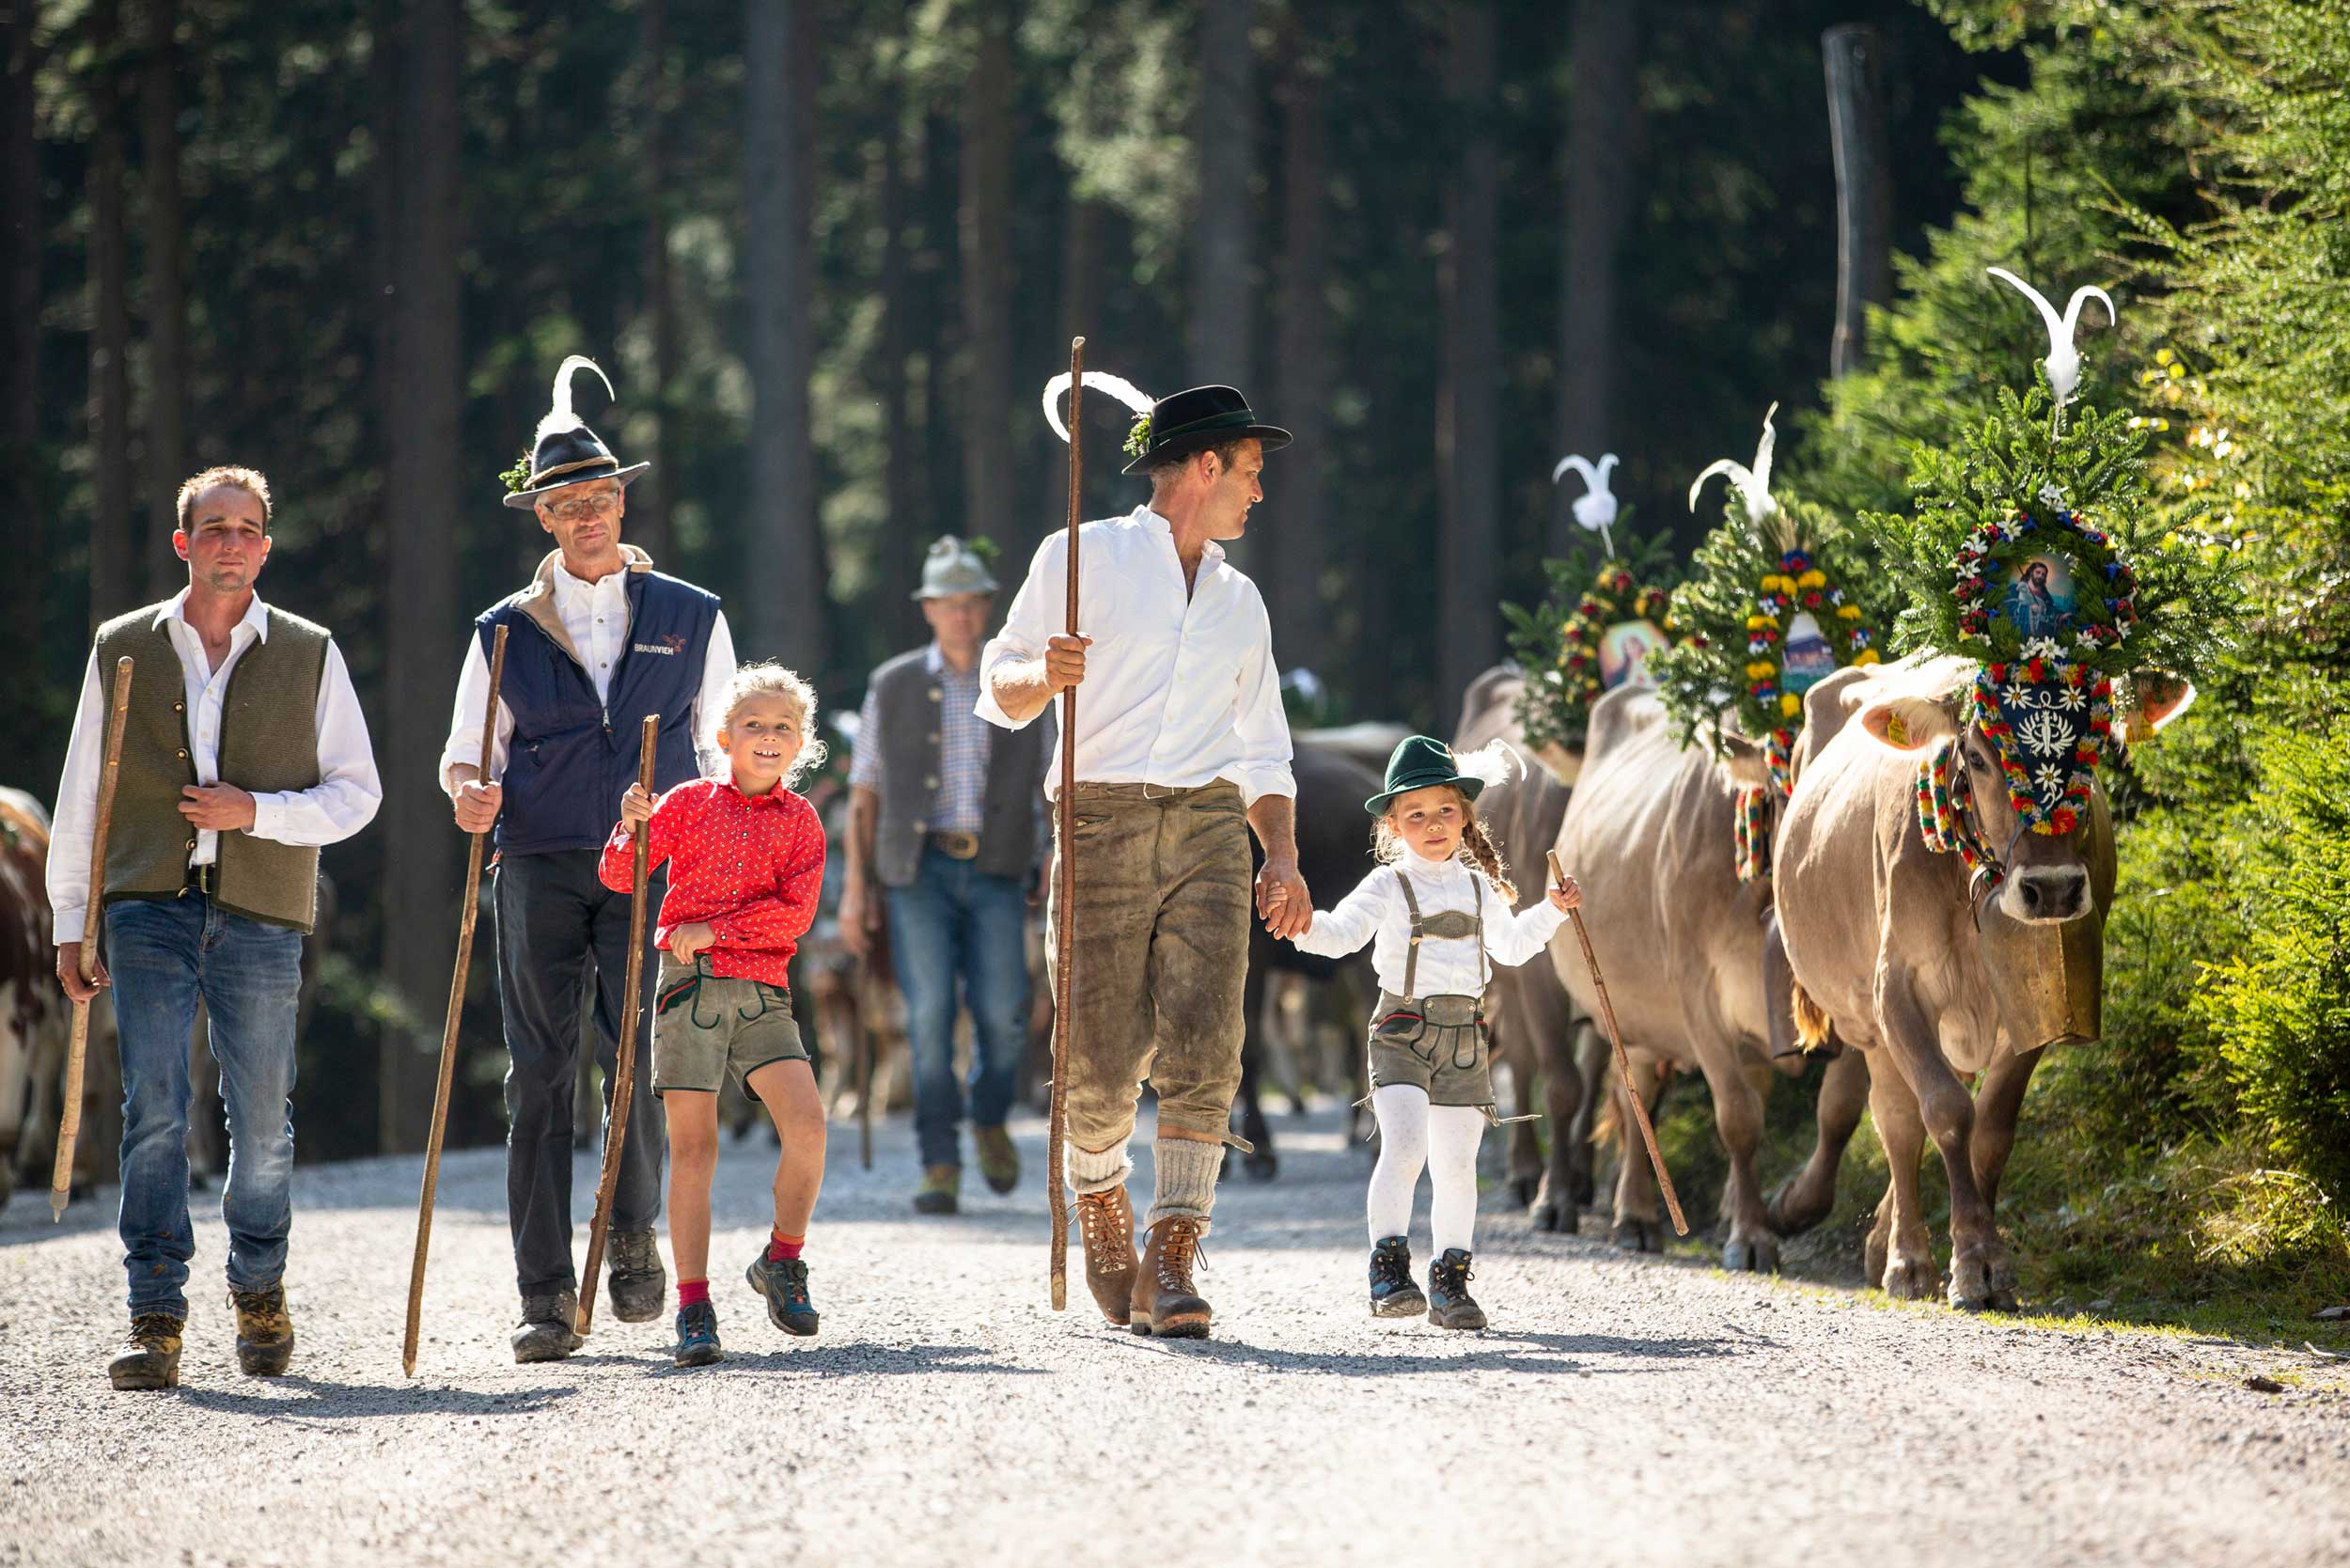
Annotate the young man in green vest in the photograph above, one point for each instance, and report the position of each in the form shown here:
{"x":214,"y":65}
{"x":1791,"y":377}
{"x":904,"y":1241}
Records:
{"x":243,"y":753}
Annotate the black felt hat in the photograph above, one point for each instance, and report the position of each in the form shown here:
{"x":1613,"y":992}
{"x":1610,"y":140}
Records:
{"x":565,"y":451}
{"x":1181,"y":423}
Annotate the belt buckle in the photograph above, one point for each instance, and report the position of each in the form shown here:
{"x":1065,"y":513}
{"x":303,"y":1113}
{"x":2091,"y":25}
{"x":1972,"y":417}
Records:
{"x":958,"y":846}
{"x":202,"y":879}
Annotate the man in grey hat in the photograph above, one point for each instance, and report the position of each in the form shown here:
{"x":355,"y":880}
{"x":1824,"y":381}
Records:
{"x":943,"y":810}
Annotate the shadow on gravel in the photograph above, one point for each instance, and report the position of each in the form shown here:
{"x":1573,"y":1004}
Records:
{"x":859,"y":1360}
{"x":1559,"y":1351}
{"x":358,"y":1401}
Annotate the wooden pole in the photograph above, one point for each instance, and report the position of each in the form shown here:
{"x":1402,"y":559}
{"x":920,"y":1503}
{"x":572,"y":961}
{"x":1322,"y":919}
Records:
{"x":864,"y":1084}
{"x":1623,"y":1062}
{"x":1065,"y":863}
{"x":624,"y":1075}
{"x":468,"y":914}
{"x":93,"y":922}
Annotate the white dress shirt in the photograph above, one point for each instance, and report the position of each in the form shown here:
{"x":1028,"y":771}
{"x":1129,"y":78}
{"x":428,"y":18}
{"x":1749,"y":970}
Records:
{"x":1375,"y":912}
{"x":339,"y":805}
{"x":1180,"y":689}
{"x":595,"y":616}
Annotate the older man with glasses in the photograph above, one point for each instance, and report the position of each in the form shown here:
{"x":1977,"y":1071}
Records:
{"x":597,"y":641}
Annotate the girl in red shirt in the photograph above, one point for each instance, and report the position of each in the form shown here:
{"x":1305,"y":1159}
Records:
{"x":746,"y":859}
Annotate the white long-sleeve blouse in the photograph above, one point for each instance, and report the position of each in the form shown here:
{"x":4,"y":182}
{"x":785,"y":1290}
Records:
{"x":1375,"y":912}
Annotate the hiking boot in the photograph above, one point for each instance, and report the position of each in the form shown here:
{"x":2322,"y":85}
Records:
{"x":1165,"y":1302}
{"x":1000,"y":1162}
{"x":697,"y":1336}
{"x":265,"y":1335}
{"x":1392,"y":1293}
{"x":1449,"y":1305}
{"x":941,"y":1185}
{"x":545,"y":1331}
{"x":784,"y":1282}
{"x":637,"y":1284}
{"x":1105,"y":1221}
{"x":149,"y":1358}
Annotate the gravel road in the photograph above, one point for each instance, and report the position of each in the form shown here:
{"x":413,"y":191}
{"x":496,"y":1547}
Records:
{"x":1622,"y":1411}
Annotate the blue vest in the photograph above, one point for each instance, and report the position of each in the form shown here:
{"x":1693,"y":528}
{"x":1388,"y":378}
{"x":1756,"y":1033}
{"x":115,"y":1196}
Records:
{"x":570,"y":757}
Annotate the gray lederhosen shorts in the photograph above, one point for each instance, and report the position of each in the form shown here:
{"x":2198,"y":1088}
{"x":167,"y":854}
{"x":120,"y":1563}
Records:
{"x":706,"y":1025}
{"x":1436,"y":1044}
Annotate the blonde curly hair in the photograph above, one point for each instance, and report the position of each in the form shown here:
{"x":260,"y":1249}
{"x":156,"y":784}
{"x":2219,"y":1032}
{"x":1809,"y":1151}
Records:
{"x":767,"y":678}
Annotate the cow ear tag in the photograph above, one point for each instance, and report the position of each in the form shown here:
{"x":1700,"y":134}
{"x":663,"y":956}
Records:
{"x":1896,"y":728}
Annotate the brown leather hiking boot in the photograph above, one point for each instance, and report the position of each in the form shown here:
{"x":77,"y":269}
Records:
{"x":149,"y":1358}
{"x":1165,"y":1302}
{"x":265,"y":1335}
{"x":1106,"y":1221}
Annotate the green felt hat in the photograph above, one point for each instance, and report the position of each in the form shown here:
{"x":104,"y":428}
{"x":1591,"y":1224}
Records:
{"x":1420,"y":763}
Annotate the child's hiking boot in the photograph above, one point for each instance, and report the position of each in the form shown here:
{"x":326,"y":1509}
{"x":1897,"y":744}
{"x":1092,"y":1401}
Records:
{"x":1392,"y":1293}
{"x":1000,"y":1162}
{"x":149,"y":1358}
{"x":545,"y":1331}
{"x":698,"y":1335}
{"x":265,"y":1335}
{"x":784,"y":1282}
{"x":1165,"y":1301}
{"x":1449,"y":1305}
{"x":1105,"y":1221}
{"x":942,"y":1185}
{"x":637,"y":1284}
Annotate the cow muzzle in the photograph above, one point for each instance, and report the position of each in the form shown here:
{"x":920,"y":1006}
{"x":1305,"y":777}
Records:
{"x":2047,"y":895}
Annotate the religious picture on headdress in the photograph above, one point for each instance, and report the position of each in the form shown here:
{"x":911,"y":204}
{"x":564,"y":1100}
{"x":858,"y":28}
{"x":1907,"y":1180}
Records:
{"x":1809,"y":659}
{"x":1623,"y":651}
{"x":2040,"y":599}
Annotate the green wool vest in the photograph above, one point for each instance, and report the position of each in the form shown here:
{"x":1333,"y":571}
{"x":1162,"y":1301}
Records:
{"x":268,"y":741}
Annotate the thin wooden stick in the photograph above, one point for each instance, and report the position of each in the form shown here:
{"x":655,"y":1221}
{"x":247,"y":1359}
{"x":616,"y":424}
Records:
{"x":93,"y":921}
{"x":1623,"y":1062}
{"x":624,"y":1075}
{"x":1065,"y":863}
{"x":468,"y":914}
{"x":864,"y":1082}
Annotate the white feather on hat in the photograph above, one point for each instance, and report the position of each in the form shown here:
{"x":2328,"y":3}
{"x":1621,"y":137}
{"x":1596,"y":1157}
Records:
{"x":1753,"y":485}
{"x":2064,"y":360}
{"x":560,"y":417}
{"x":1491,"y":763}
{"x":1120,"y":387}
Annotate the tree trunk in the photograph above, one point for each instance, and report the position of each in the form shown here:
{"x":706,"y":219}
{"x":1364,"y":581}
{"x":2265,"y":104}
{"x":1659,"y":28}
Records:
{"x":1080,"y":307}
{"x":23,"y":490}
{"x":1468,"y":399}
{"x":940,"y":327}
{"x":116,"y":574}
{"x":424,"y":633}
{"x":784,"y":607}
{"x":167,"y":293}
{"x":1300,"y":487}
{"x":1603,"y":61}
{"x":903,"y":522}
{"x":1864,"y":186}
{"x":988,"y":431}
{"x":1226,"y":140}
{"x":648,"y":497}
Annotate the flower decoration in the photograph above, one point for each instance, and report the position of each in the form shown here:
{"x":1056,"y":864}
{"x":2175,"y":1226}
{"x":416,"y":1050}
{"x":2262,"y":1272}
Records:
{"x":1559,"y":644}
{"x":1138,"y":435}
{"x":517,"y":478}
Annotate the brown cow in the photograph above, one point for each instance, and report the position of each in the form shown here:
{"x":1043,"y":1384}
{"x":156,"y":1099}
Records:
{"x":36,"y":1022}
{"x":1938,"y":979}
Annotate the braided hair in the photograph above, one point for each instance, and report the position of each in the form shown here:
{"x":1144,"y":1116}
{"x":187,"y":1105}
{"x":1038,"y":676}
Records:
{"x":1477,"y":847}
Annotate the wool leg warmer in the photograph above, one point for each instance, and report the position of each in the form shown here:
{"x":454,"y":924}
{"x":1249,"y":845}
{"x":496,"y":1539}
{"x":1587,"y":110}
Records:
{"x":1186,"y":1171}
{"x":1453,"y":1133}
{"x":1403,"y":1113}
{"x":1098,"y":1172}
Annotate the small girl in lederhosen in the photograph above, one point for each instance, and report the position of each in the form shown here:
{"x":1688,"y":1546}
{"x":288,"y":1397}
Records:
{"x":1438,"y":912}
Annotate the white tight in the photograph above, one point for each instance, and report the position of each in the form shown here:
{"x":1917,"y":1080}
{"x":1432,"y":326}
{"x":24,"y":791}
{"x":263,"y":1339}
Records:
{"x":1412,"y":1133}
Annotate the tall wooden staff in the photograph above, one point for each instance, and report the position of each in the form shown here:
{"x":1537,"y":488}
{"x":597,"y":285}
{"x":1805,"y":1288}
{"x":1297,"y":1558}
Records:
{"x":1065,"y":861}
{"x":1623,"y":1062}
{"x":466,"y":915}
{"x":624,"y":1078}
{"x":94,"y":920}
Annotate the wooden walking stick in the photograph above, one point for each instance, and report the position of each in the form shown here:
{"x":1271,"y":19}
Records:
{"x":624,"y":1074}
{"x":93,"y":920}
{"x":1065,"y":863}
{"x":864,"y":1092}
{"x":1623,"y":1062}
{"x":468,"y":914}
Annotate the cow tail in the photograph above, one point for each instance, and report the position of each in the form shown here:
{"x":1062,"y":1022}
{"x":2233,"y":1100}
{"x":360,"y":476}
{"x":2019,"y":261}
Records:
{"x":1812,"y":1026}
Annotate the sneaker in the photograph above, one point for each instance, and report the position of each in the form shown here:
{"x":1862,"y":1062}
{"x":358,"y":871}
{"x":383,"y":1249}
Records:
{"x":149,"y":1358}
{"x":1449,"y":1305}
{"x":637,"y":1284}
{"x":697,"y":1336}
{"x":545,"y":1331}
{"x":941,"y":1185}
{"x":784,"y":1282}
{"x":1392,"y":1293}
{"x":1000,"y":1162}
{"x":265,"y":1335}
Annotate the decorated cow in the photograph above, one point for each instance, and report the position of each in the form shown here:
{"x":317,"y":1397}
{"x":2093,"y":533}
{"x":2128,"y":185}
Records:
{"x":36,"y":1022}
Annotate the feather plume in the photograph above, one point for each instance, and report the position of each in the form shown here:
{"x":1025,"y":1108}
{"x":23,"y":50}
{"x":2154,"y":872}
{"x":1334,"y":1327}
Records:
{"x":1753,"y":485}
{"x":559,"y":414}
{"x":1490,"y":763}
{"x":1100,"y":381}
{"x":2064,"y":360}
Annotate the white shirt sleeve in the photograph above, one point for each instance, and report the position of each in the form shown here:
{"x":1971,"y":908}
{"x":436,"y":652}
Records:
{"x":463,"y":746}
{"x":1512,"y":940}
{"x":1337,"y":933}
{"x":75,"y":824}
{"x":865,"y":764}
{"x":345,"y":798}
{"x":1263,"y":725}
{"x":710,"y":702}
{"x":1038,"y":612}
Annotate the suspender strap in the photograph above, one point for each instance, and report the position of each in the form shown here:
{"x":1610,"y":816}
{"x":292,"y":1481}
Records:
{"x":1411,"y":948}
{"x":1485,"y":965}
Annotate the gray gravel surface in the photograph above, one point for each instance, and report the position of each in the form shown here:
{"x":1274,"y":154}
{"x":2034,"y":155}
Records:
{"x":1620,"y":1410}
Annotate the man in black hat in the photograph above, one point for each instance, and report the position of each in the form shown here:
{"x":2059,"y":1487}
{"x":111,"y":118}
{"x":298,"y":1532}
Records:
{"x":597,"y":641}
{"x":1182,"y":746}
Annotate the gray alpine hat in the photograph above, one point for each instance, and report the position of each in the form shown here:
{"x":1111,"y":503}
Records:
{"x":953,"y":567}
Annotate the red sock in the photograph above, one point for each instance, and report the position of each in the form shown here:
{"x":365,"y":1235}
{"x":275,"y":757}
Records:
{"x":780,"y":1246}
{"x":692,"y":1293}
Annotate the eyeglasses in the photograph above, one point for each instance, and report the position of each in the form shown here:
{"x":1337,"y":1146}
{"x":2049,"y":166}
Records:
{"x":583,"y":507}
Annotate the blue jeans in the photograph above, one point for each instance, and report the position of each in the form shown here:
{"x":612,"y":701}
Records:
{"x":165,"y":954}
{"x":950,"y":923}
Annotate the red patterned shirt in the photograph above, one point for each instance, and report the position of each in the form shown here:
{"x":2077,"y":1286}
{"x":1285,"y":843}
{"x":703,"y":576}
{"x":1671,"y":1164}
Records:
{"x":749,"y":865}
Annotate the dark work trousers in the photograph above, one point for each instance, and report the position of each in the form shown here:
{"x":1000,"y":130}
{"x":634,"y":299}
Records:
{"x":554,"y":919}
